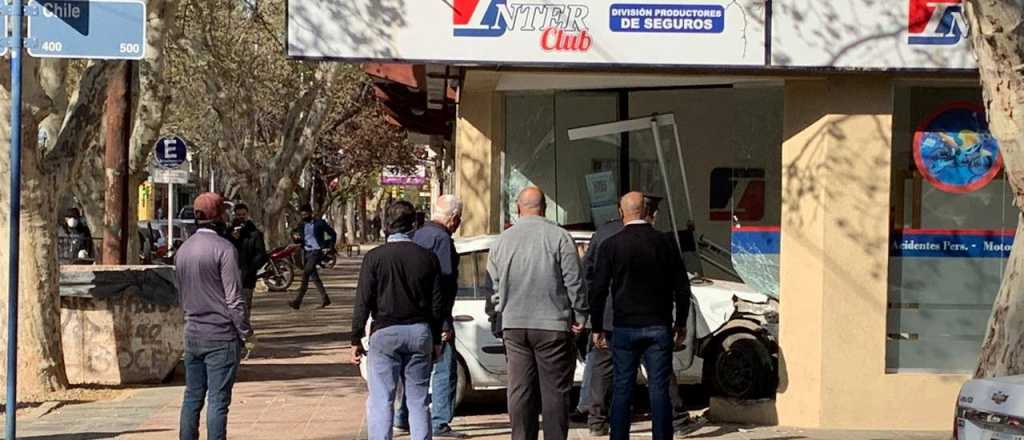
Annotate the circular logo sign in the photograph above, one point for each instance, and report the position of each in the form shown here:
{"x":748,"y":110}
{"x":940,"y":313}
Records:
{"x":170,"y":152}
{"x":954,"y":150}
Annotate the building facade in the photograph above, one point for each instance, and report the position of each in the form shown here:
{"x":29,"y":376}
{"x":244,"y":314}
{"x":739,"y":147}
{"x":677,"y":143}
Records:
{"x":849,"y":139}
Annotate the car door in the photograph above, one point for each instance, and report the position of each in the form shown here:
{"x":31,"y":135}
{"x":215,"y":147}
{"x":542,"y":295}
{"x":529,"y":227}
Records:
{"x":474,"y":339}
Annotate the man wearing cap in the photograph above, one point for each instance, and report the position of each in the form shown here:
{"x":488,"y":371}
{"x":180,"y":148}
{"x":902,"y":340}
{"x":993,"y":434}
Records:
{"x":317,"y":237}
{"x":209,"y":280}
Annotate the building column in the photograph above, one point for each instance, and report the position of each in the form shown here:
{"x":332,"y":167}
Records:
{"x":479,"y":140}
{"x":834,"y":259}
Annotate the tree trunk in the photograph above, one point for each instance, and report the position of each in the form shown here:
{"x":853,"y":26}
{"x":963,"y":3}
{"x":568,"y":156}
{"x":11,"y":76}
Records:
{"x":350,"y":223}
{"x":997,"y":31}
{"x":118,"y":122}
{"x":40,"y":357}
{"x":363,"y":225}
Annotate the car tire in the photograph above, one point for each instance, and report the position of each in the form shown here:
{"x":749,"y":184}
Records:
{"x":740,"y":366}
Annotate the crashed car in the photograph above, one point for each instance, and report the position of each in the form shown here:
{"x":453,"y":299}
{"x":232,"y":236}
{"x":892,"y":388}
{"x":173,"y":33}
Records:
{"x":733,"y":330}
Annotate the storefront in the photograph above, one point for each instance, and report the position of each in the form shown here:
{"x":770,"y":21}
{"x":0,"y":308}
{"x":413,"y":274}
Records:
{"x":845,"y":140}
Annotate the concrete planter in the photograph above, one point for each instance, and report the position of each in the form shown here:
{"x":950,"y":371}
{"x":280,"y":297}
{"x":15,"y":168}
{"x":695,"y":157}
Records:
{"x":120,"y":324}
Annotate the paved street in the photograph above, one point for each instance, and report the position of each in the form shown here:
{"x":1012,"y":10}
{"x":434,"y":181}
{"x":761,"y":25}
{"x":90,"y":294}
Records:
{"x":299,"y":384}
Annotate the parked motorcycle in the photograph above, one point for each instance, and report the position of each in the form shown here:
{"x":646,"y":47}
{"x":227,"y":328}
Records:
{"x":279,"y":272}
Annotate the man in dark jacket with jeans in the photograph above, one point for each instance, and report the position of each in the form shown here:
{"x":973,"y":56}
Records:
{"x":645,"y":275}
{"x":436,"y":236}
{"x":317,"y":238}
{"x":400,"y":287}
{"x":215,"y":320}
{"x":252,"y":252}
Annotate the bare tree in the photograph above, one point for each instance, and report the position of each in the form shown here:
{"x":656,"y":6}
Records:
{"x":997,"y":31}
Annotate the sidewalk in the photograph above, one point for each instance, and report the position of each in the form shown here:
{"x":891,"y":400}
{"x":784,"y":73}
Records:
{"x":299,"y":384}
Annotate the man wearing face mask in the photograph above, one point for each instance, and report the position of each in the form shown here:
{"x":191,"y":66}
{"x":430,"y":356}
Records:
{"x":252,"y":251}
{"x":78,"y":245}
{"x":216,"y":327}
{"x":316,"y":237}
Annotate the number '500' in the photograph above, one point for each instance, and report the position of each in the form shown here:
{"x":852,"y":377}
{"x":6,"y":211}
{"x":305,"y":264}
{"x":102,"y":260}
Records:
{"x":130,"y":48}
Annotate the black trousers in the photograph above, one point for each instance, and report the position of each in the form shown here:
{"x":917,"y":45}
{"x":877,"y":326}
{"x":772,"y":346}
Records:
{"x":540,"y":366}
{"x":601,"y":391}
{"x":310,"y":261}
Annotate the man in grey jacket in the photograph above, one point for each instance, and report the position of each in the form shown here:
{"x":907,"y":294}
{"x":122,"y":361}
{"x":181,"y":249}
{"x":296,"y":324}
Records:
{"x":536,"y":274}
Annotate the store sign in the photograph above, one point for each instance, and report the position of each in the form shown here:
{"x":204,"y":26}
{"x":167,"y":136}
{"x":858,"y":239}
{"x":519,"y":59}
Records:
{"x":936,"y":23}
{"x":954,"y":150}
{"x":736,"y":193}
{"x":395,"y":176}
{"x":683,"y":32}
{"x":922,"y":34}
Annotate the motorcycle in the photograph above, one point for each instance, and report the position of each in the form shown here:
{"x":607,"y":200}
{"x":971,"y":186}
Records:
{"x":279,"y":272}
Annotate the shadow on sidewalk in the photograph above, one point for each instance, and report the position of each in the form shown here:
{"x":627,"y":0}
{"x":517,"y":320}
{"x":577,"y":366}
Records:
{"x":91,"y":435}
{"x":295,"y":371}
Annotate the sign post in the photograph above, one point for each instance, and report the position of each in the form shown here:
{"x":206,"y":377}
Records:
{"x":14,"y":222}
{"x":170,"y":152}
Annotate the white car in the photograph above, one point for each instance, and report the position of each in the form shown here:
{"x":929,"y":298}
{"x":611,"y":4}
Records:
{"x":990,"y":409}
{"x":729,"y":323}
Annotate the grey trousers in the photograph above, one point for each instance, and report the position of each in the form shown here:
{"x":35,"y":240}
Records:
{"x":247,"y":297}
{"x":540,"y":366}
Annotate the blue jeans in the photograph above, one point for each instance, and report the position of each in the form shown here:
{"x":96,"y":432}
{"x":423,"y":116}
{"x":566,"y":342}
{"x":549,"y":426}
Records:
{"x":210,"y":370}
{"x":588,"y":373}
{"x":652,"y":345}
{"x":442,"y":393}
{"x":400,"y":354}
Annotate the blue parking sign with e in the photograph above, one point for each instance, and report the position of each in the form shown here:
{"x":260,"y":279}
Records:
{"x":171,"y":152}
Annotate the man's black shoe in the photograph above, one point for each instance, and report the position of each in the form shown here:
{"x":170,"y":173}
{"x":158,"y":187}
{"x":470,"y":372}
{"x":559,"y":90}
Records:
{"x":448,"y":432}
{"x":599,"y":431}
{"x":293,"y":304}
{"x":578,"y":416}
{"x":694,"y":424}
{"x":326,"y":303}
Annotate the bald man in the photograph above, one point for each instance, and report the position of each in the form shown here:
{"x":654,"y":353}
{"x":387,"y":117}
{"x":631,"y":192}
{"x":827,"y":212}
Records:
{"x":535,"y":271}
{"x":647,"y":281}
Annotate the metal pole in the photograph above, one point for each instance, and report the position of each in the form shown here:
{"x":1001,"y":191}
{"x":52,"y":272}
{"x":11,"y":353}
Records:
{"x":170,"y":218}
{"x":668,"y":187}
{"x":14,"y":222}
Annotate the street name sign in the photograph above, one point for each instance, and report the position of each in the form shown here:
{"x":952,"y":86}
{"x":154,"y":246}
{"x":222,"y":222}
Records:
{"x":166,"y":175}
{"x":170,"y":152}
{"x":101,"y":29}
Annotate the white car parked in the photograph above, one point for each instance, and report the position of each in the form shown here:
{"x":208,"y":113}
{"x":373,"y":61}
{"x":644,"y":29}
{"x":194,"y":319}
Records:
{"x":990,"y":409}
{"x":732,"y":330}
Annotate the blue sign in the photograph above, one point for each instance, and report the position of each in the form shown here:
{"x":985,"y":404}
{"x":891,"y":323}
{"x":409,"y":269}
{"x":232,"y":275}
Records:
{"x":698,"y":19}
{"x":954,"y":150}
{"x":3,"y":30}
{"x":952,"y":243}
{"x":104,"y":29}
{"x":170,"y":152}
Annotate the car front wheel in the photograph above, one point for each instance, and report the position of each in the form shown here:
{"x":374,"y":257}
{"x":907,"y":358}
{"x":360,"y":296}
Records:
{"x":740,"y":367}
{"x":462,"y":382}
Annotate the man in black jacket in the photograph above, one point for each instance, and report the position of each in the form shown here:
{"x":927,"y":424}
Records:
{"x":252,"y":252}
{"x":400,"y":286}
{"x":649,"y":287}
{"x":317,"y":237}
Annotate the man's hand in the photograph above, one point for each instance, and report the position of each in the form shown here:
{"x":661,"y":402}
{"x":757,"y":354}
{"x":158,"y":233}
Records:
{"x":357,"y":354}
{"x":437,"y":353}
{"x":576,"y":328}
{"x":680,"y":338}
{"x":601,"y":340}
{"x":446,"y":336}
